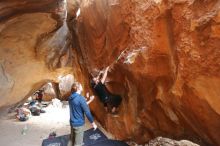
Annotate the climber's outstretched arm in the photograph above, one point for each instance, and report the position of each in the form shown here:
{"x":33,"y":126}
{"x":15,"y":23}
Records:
{"x":105,"y":75}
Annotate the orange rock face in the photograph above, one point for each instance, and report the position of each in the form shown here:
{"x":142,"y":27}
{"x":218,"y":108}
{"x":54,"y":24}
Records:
{"x":166,"y":65}
{"x":35,"y":47}
{"x":165,"y":55}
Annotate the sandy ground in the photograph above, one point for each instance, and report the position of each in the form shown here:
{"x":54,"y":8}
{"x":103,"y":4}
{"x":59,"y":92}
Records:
{"x":38,"y":127}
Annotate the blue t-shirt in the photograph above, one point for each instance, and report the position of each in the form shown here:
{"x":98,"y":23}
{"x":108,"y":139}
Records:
{"x":78,"y":107}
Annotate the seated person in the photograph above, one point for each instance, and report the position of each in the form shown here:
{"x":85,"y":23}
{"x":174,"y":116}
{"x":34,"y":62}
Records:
{"x":108,"y":99}
{"x":23,"y":114}
{"x":35,"y":107}
{"x":39,"y":96}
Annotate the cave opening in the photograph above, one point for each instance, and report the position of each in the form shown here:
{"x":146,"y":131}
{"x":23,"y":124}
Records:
{"x":164,"y":56}
{"x":47,"y":115}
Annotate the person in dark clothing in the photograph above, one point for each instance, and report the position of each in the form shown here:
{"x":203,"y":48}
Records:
{"x":107,"y":98}
{"x":40,"y":94}
{"x":78,"y":108}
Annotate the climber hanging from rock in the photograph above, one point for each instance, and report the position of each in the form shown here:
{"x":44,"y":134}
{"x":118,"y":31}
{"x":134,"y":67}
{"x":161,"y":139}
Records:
{"x":109,"y":100}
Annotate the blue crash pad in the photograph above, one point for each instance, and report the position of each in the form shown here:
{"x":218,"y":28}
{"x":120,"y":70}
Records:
{"x":91,"y":138}
{"x":57,"y":141}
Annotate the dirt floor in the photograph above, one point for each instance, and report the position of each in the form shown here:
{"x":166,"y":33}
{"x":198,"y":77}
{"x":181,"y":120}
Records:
{"x":38,"y":127}
{"x":55,"y":119}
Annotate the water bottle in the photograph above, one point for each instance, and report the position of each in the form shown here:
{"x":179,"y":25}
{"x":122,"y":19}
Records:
{"x":24,"y":130}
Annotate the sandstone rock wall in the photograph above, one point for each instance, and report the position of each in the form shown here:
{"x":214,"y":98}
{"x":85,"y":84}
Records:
{"x":166,"y":65}
{"x":35,"y":46}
